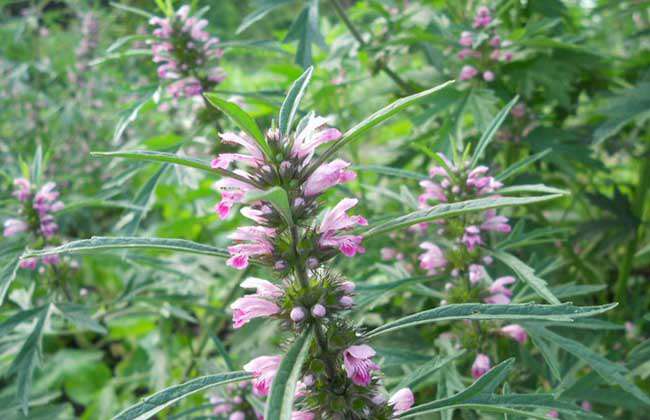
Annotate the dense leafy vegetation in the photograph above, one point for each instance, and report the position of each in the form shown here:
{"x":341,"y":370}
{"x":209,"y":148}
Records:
{"x":304,"y":209}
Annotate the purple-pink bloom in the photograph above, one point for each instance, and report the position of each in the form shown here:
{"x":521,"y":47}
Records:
{"x":480,"y":366}
{"x":488,"y":76}
{"x":554,"y":414}
{"x":433,"y":259}
{"x":499,"y":293}
{"x":297,"y":314}
{"x":311,"y":135}
{"x":24,"y":190}
{"x":232,"y":192}
{"x":401,"y":401}
{"x":495,"y":41}
{"x":248,"y":307}
{"x":467,"y":72}
{"x":14,"y":226}
{"x":28,"y":263}
{"x":302,"y":415}
{"x":466,"y":39}
{"x":263,"y":369}
{"x":472,"y":237}
{"x":432,"y":191}
{"x":335,"y":221}
{"x":586,"y":405}
{"x":318,"y":310}
{"x":482,"y":18}
{"x":495,"y":223}
{"x":253,"y":241}
{"x":516,"y":332}
{"x":328,"y":175}
{"x":264,"y":288}
{"x":357,"y":364}
{"x":476,"y":273}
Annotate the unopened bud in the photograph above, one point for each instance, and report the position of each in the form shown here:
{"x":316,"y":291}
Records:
{"x":297,"y":314}
{"x":318,"y":310}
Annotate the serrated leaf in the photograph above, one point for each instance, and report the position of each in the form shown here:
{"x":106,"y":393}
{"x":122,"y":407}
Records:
{"x":480,"y":311}
{"x":242,"y":120}
{"x":489,"y":133}
{"x":162,"y":399}
{"x":278,"y":198}
{"x":279,"y":404}
{"x":527,"y":275}
{"x":442,"y":211}
{"x":97,"y":243}
{"x":291,"y":102}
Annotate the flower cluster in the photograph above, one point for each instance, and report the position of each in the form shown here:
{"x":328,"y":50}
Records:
{"x":340,"y":375}
{"x":290,"y":166}
{"x":186,"y":54}
{"x":36,"y":217}
{"x":482,"y":49}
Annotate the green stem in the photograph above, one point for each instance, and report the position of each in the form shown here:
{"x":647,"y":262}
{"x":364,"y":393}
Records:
{"x":639,"y":210}
{"x":379,"y":63}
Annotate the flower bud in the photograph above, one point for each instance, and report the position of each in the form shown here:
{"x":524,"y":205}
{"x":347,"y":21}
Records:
{"x":348,"y":286}
{"x":297,"y":314}
{"x":280,"y":265}
{"x":318,"y":311}
{"x":346,"y":301}
{"x":312,"y":262}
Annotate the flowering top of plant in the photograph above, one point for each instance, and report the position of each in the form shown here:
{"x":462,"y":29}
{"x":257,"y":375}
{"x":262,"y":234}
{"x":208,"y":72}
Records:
{"x":289,"y":164}
{"x":186,"y":53}
{"x":482,"y":49}
{"x":35,"y":217}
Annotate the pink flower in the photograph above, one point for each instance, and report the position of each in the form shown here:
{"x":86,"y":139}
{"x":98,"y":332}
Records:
{"x":335,"y":221}
{"x":318,"y":310}
{"x":302,"y":415}
{"x":482,"y":18}
{"x":232,"y":192}
{"x":388,"y":254}
{"x":248,"y":307}
{"x":480,"y":366}
{"x":433,"y":258}
{"x":507,"y":56}
{"x":14,"y":226}
{"x":312,"y":134}
{"x":28,"y":263}
{"x":472,"y":238}
{"x":467,"y":72}
{"x":488,"y":76}
{"x":554,"y":414}
{"x":297,"y":314}
{"x":586,"y":405}
{"x":357,"y":363}
{"x":495,"y":41}
{"x":476,"y":273}
{"x":51,"y":259}
{"x":258,"y":243}
{"x":432,"y":191}
{"x":401,"y":401}
{"x":466,"y":52}
{"x":264,"y":288}
{"x":255,"y":154}
{"x":466,"y":39}
{"x":495,"y":223}
{"x":263,"y":369}
{"x":237,"y":415}
{"x":495,"y":55}
{"x":516,"y":332}
{"x":346,"y":301}
{"x":24,"y":190}
{"x":328,"y":175}
{"x":499,"y":293}
{"x":519,"y":110}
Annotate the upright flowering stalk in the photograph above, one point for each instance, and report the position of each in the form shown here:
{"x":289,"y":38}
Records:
{"x":35,"y":218}
{"x":482,"y":49}
{"x":187,"y":56}
{"x":279,"y":184}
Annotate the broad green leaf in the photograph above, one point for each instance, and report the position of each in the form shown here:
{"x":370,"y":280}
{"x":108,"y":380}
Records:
{"x":489,"y":381}
{"x":480,"y":311}
{"x":527,"y":275}
{"x":28,"y":358}
{"x":488,"y":134}
{"x":7,"y":276}
{"x":242,"y":120}
{"x":78,"y":315}
{"x":279,"y":404}
{"x":611,"y":372}
{"x":374,"y":120}
{"x":292,"y":101}
{"x":521,"y":165}
{"x":98,"y":243}
{"x":278,"y":198}
{"x":263,"y":9}
{"x":162,"y":399}
{"x":443,"y":211}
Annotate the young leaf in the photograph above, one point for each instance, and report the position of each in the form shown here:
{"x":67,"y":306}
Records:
{"x":521,"y":165}
{"x":527,"y":275}
{"x":292,"y":101}
{"x":442,"y":211}
{"x":162,"y":399}
{"x":241,"y":119}
{"x":480,"y":311}
{"x":98,"y":243}
{"x":7,"y":276}
{"x":279,"y":404}
{"x":488,"y":134}
{"x":278,"y":198}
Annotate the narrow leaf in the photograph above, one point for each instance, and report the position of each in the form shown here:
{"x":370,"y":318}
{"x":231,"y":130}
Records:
{"x":292,"y":101}
{"x":527,"y":275}
{"x":162,"y":399}
{"x":521,"y":165}
{"x":7,"y":276}
{"x":488,"y":134}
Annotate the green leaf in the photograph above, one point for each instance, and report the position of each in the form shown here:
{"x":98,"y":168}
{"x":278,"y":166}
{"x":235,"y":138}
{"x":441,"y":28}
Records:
{"x":242,"y":120}
{"x":521,"y":165}
{"x":480,"y":311}
{"x":19,"y":318}
{"x":99,"y":203}
{"x":264,"y":9}
{"x":418,"y":375}
{"x":221,"y":349}
{"x":133,"y":10}
{"x":97,"y":243}
{"x":28,"y":358}
{"x":488,"y":134}
{"x":278,"y":198}
{"x":149,"y":155}
{"x":527,"y":275}
{"x":162,"y":399}
{"x":78,"y":315}
{"x":292,"y":101}
{"x":305,"y":30}
{"x":142,"y":199}
{"x":630,"y":105}
{"x":611,"y":372}
{"x":7,"y":276}
{"x":375,"y":119}
{"x":442,"y":211}
{"x":387,"y":170}
{"x":37,"y":165}
{"x":279,"y":404}
{"x":489,"y":381}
